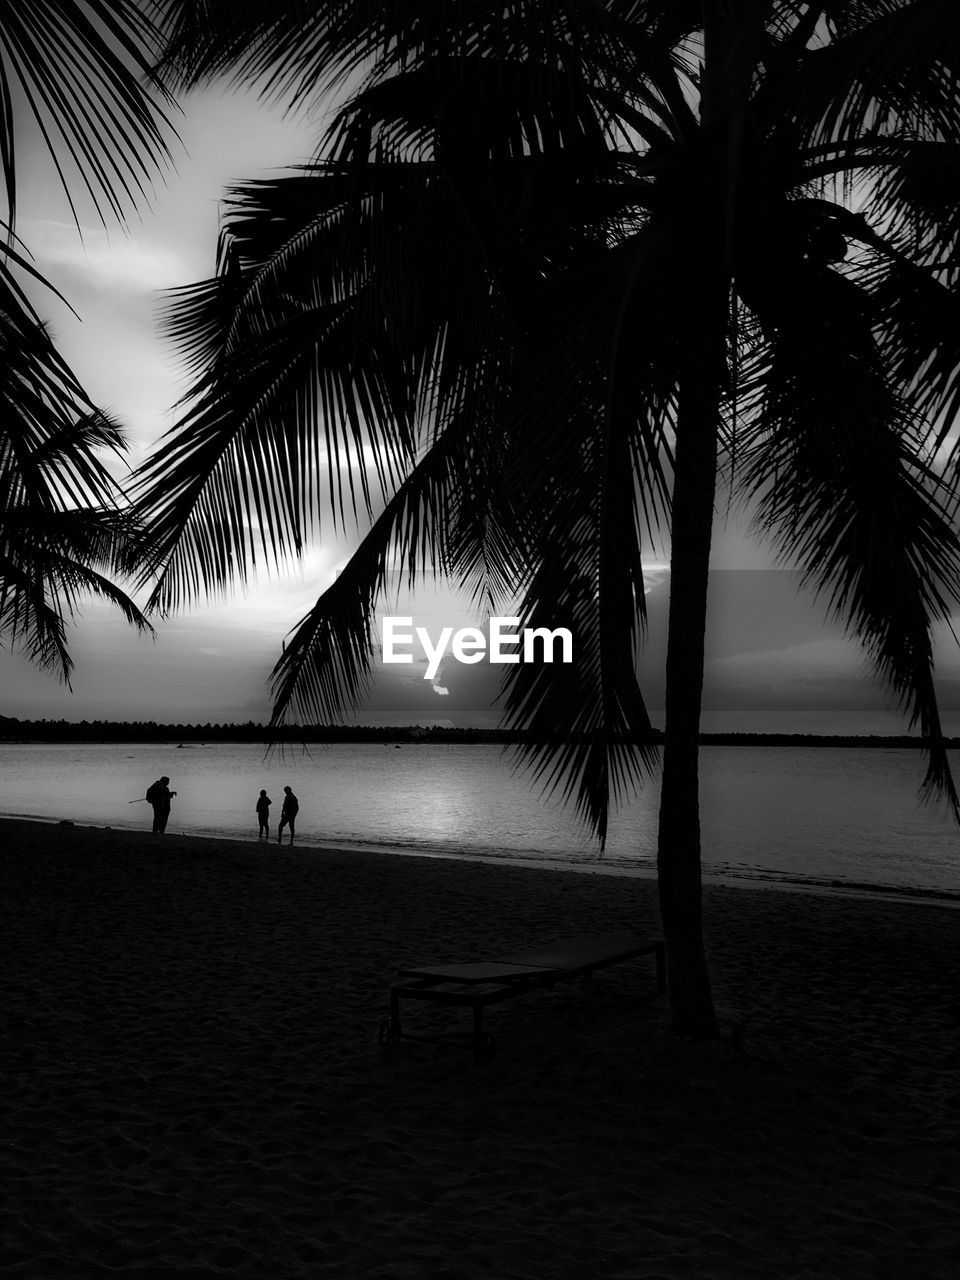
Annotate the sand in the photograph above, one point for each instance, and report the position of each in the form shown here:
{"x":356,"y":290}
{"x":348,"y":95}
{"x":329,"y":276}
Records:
{"x":193,"y":1085}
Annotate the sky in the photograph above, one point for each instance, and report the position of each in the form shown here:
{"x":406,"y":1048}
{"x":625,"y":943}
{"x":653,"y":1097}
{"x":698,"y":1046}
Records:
{"x":774,"y":663}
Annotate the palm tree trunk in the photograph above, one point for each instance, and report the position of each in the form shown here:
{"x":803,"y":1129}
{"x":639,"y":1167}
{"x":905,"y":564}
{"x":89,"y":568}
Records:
{"x":732,"y":40}
{"x":678,"y":852}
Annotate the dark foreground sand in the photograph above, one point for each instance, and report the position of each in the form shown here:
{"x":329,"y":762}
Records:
{"x":193,"y":1086}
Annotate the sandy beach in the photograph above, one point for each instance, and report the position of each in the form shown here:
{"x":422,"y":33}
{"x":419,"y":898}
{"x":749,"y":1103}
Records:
{"x":193,"y":1085}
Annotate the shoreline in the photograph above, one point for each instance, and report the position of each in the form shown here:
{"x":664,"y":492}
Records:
{"x":193,"y":1083}
{"x":762,"y":883}
{"x":188,"y":736}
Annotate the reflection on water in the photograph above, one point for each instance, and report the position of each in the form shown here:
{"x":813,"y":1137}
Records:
{"x":810,"y":814}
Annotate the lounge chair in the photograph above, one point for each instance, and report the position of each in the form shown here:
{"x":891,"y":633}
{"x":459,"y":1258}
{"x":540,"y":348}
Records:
{"x":478,"y":983}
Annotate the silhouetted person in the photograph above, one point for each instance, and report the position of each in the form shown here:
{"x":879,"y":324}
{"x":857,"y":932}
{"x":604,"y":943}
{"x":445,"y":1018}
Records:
{"x":159,"y":793}
{"x":263,"y":815}
{"x":288,"y":814}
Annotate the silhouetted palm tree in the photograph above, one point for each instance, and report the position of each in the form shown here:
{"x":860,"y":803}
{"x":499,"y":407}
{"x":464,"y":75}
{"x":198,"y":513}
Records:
{"x":556,"y":265}
{"x":61,"y":526}
{"x":77,"y":70}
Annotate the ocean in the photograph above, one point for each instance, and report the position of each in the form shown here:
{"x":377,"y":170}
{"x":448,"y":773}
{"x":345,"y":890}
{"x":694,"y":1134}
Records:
{"x":836,"y":817}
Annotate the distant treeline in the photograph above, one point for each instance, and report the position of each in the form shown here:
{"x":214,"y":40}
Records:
{"x":14,"y":730}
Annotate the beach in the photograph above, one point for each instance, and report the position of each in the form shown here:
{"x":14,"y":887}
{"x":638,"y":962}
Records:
{"x":193,"y":1085}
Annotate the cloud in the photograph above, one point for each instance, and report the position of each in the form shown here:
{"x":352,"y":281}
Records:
{"x":824,"y":657}
{"x":103,"y":261}
{"x":655,"y":577}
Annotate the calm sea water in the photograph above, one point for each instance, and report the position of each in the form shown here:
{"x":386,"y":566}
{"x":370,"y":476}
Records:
{"x":815,"y":816}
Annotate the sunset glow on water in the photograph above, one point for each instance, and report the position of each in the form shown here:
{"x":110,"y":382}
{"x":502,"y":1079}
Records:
{"x":801,"y":815}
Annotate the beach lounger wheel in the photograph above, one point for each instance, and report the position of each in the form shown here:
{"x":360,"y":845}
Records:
{"x":386,"y":1035}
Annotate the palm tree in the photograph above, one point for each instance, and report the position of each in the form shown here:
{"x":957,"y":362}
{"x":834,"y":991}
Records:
{"x":77,"y":69}
{"x":62,"y":528}
{"x":556,"y":266}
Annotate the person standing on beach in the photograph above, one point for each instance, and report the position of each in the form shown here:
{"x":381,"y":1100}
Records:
{"x":288,"y":814}
{"x":263,"y":815}
{"x":158,"y":794}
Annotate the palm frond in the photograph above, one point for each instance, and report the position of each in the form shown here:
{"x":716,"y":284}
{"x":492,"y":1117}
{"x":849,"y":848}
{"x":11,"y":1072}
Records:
{"x":63,"y":522}
{"x":317,"y":345}
{"x":920,"y":321}
{"x":589,"y":734}
{"x":837,"y":468}
{"x":296,"y":51}
{"x":51,"y":431}
{"x":50,"y":560}
{"x":889,"y":70}
{"x":916,"y":199}
{"x":324,"y":670}
{"x":29,"y":622}
{"x":589,"y":473}
{"x":79,"y":68}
